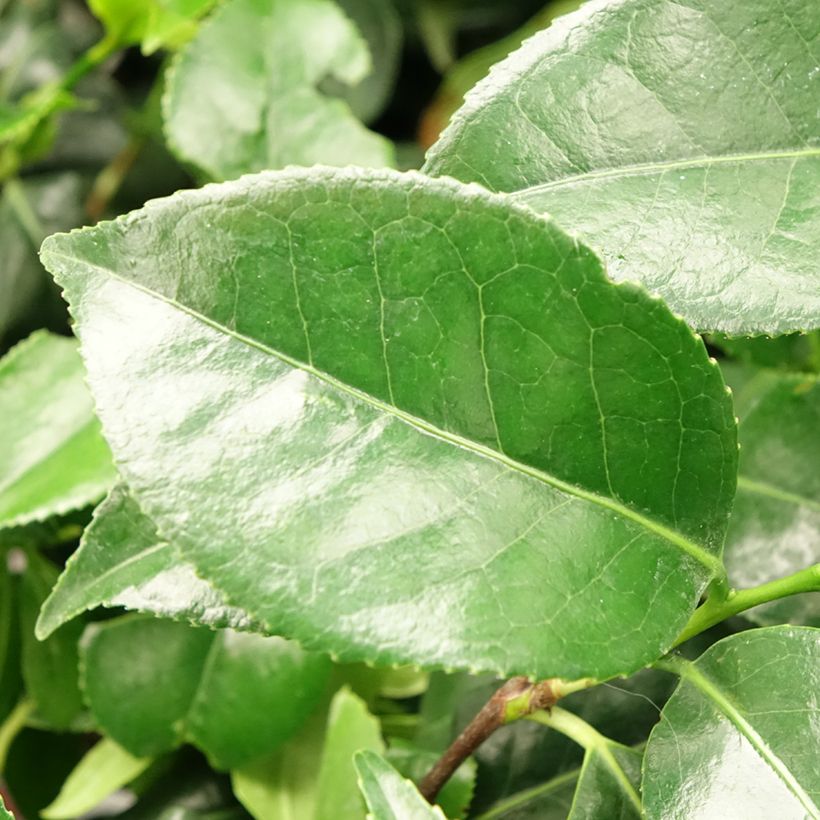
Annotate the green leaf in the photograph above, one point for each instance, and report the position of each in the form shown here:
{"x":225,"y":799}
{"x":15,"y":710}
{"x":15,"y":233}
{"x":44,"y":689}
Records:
{"x":106,"y":768}
{"x":547,"y":801}
{"x":427,"y":355}
{"x":389,"y":796}
{"x":693,"y":169}
{"x":739,"y":737}
{"x":235,"y":696}
{"x":794,"y":351}
{"x":775,"y":526}
{"x":350,"y":729}
{"x":236,"y":104}
{"x":4,"y":814}
{"x":10,"y":677}
{"x":52,"y":456}
{"x":50,"y":668}
{"x":123,"y":562}
{"x":608,"y":785}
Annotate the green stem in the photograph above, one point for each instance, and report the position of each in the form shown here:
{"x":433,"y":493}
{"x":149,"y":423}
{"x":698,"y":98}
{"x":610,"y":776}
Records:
{"x":592,"y":741}
{"x":89,"y":60}
{"x":717,"y":609}
{"x":12,"y":726}
{"x":30,"y":222}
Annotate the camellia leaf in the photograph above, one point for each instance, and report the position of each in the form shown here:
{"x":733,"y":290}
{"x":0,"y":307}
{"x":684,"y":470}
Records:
{"x":236,"y":104}
{"x":775,"y":526}
{"x":344,"y":375}
{"x":106,"y":768}
{"x":389,"y":796}
{"x":52,"y":457}
{"x":739,"y":737}
{"x":235,"y":696}
{"x":4,"y":813}
{"x":693,"y":168}
{"x":123,"y":562}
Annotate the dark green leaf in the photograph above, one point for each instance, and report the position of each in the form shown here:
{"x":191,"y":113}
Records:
{"x":681,"y":138}
{"x":389,"y":796}
{"x":52,"y":456}
{"x":236,"y":104}
{"x":10,"y":677}
{"x":775,"y":525}
{"x":427,"y":354}
{"x":235,"y":696}
{"x":123,"y":562}
{"x":739,"y":737}
{"x":547,"y":801}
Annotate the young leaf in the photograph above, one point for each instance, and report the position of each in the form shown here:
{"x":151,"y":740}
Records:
{"x":106,"y":768}
{"x":236,"y":104}
{"x":426,"y":356}
{"x":4,"y":813}
{"x":739,"y":737}
{"x":350,"y":729}
{"x":692,"y":169}
{"x":775,"y":525}
{"x":52,"y":456}
{"x":389,"y":796}
{"x":122,"y":561}
{"x":234,"y":696}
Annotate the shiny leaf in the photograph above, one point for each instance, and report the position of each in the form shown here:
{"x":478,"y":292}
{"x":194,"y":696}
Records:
{"x":4,"y":813}
{"x":739,"y":737}
{"x":123,"y":562}
{"x":235,"y":696}
{"x":389,"y":796}
{"x":236,"y":104}
{"x":775,"y":526}
{"x":326,"y":385}
{"x":608,"y":785}
{"x":52,"y":456}
{"x":681,"y":139}
{"x":106,"y":768}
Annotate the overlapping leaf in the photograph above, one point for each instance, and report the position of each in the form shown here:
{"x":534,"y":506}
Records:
{"x":682,"y":139}
{"x":739,"y":737}
{"x":324,"y":386}
{"x":262,"y":108}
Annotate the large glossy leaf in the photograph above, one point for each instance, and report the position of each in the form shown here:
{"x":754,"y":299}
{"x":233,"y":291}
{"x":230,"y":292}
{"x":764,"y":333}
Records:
{"x":361,"y":400}
{"x":775,"y":525}
{"x":739,"y":737}
{"x":233,"y":695}
{"x":52,"y":456}
{"x":123,"y":562}
{"x":236,"y":103}
{"x":682,"y":139}
{"x":389,"y":796}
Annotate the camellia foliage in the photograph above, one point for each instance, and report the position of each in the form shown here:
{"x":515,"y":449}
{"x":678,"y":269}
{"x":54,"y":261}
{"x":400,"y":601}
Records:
{"x":334,"y":438}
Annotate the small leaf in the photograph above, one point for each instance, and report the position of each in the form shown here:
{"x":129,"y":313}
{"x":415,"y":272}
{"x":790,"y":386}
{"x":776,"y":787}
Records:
{"x":775,"y":526}
{"x":236,"y":104}
{"x":53,"y":458}
{"x":122,"y":561}
{"x":389,"y":796}
{"x":350,"y":729}
{"x":106,"y":768}
{"x":693,"y":170}
{"x":739,"y":737}
{"x":234,"y":696}
{"x":608,"y":784}
{"x":428,"y":355}
{"x":4,"y":813}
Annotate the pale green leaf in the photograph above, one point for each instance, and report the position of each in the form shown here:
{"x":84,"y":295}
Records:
{"x":4,"y":813}
{"x":235,"y":696}
{"x":681,"y":139}
{"x":389,"y":796}
{"x":739,"y":737}
{"x":236,"y":104}
{"x":122,"y":561}
{"x":53,"y":458}
{"x":344,"y":375}
{"x":106,"y":768}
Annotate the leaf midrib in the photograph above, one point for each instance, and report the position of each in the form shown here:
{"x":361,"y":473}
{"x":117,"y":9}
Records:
{"x":700,"y":554}
{"x":772,"y":491}
{"x":663,"y":167}
{"x":724,"y":704}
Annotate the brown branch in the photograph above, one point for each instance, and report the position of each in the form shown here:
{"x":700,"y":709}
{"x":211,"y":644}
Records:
{"x":517,"y":698}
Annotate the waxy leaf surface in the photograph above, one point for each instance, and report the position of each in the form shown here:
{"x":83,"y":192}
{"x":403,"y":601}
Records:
{"x":739,"y":737}
{"x":236,"y":103}
{"x":402,"y":420}
{"x":122,"y":561}
{"x":233,"y":695}
{"x":52,"y":457}
{"x":775,"y":526}
{"x":682,"y":139}
{"x":608,"y":785}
